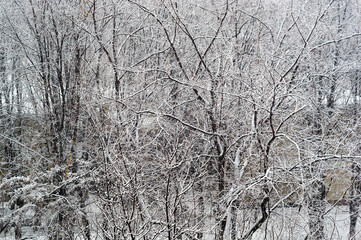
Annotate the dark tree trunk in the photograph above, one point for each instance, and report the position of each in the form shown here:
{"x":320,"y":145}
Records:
{"x":316,"y":207}
{"x":354,"y":205}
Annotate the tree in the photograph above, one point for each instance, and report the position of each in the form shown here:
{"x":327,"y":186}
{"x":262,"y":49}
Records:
{"x":178,"y":119}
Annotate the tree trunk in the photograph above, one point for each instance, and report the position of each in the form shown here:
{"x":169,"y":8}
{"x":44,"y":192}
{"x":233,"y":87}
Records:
{"x":317,"y":207}
{"x":355,"y":198}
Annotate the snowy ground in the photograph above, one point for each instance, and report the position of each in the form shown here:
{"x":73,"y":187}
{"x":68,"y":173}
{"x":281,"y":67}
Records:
{"x":290,"y":223}
{"x":284,"y":224}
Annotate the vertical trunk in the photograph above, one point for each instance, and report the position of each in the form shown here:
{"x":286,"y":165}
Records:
{"x":200,"y":213}
{"x":221,"y":188}
{"x":355,"y":188}
{"x":317,"y":207}
{"x":233,"y":219}
{"x":316,"y":203}
{"x":354,"y":205}
{"x":18,"y":234}
{"x":238,"y":174}
{"x":220,"y":161}
{"x":85,"y":220}
{"x":115,"y":58}
{"x":167,"y":210}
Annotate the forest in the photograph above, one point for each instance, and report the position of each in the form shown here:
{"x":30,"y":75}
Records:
{"x":180,"y":119}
